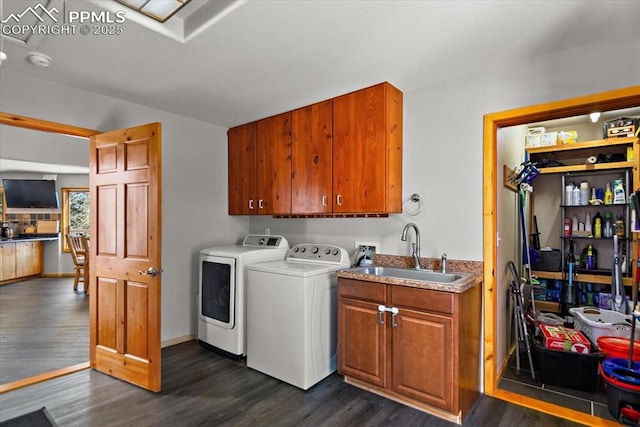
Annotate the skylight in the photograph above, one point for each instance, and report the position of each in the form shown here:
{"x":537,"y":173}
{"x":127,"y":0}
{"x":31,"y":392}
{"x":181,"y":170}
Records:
{"x":160,"y":10}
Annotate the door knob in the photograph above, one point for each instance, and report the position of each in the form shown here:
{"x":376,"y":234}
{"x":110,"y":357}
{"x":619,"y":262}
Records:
{"x":151,"y":272}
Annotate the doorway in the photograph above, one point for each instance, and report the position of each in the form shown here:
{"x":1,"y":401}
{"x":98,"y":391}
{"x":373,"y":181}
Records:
{"x":125,"y":285}
{"x":65,"y":130}
{"x":494,"y":277}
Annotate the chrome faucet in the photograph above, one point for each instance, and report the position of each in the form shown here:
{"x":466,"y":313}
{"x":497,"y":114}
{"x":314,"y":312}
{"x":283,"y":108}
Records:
{"x":415,"y":253}
{"x":443,"y":263}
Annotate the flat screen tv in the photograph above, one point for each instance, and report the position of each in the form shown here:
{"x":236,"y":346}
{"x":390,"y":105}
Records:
{"x":30,"y":193}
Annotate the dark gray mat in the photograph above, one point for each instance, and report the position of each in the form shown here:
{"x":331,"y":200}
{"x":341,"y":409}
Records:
{"x":39,"y":418}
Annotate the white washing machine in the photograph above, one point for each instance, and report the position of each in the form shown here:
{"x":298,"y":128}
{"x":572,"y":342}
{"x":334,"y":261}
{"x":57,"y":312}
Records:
{"x":222,"y":290}
{"x":292,"y":314}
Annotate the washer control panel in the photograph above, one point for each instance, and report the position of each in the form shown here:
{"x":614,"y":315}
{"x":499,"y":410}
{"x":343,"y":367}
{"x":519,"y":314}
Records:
{"x":311,"y":252}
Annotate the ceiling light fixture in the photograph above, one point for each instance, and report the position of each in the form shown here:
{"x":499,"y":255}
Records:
{"x":160,"y":10}
{"x":39,"y":59}
{"x":594,"y":117}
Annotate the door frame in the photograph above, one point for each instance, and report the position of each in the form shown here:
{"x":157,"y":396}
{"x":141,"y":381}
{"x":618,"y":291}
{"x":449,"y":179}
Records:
{"x":583,"y":105}
{"x":63,"y":129}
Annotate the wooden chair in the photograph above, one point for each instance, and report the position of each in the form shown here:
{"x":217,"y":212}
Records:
{"x":79,"y":247}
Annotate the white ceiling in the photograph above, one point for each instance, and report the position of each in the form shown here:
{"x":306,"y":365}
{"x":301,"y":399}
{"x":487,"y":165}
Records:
{"x":232,"y":62}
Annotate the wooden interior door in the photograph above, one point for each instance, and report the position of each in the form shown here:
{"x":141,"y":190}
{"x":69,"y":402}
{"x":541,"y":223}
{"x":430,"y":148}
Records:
{"x":124,"y":286}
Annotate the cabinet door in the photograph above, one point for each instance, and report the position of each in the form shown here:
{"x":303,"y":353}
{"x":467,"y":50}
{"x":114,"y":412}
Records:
{"x":359,"y":151}
{"x":241,"y":147}
{"x":361,"y":341}
{"x":423,"y":357}
{"x":37,"y":260}
{"x":8,"y":261}
{"x":274,"y":164}
{"x":24,"y":258}
{"x":311,"y":159}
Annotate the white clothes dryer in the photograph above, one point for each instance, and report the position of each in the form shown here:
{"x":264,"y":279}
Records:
{"x":292,"y":314}
{"x":222,"y":290}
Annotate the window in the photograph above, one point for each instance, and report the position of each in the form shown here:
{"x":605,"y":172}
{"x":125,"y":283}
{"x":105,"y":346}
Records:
{"x":75,"y":213}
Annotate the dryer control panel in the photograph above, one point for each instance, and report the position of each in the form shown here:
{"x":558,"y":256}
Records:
{"x":326,"y":254}
{"x":266,"y":241}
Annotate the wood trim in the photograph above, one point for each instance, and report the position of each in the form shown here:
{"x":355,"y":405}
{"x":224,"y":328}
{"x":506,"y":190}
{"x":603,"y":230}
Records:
{"x":14,"y":385}
{"x":57,"y":275}
{"x":551,"y":409}
{"x":605,"y":101}
{"x":45,"y":125}
{"x":65,"y":213}
{"x":4,"y":204}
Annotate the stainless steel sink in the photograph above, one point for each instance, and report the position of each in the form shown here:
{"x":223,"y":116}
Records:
{"x":410,"y":274}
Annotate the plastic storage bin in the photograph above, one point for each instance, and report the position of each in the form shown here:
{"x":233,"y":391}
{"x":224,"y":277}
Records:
{"x":595,"y":322}
{"x":568,"y":369}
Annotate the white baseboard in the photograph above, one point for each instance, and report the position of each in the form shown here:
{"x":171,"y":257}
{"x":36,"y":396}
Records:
{"x":178,"y":340}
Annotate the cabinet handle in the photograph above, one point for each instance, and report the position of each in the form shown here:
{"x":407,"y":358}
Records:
{"x":250,"y":204}
{"x":381,"y":310}
{"x":339,"y":199}
{"x":324,"y":201}
{"x":394,"y":313}
{"x":260,"y":204}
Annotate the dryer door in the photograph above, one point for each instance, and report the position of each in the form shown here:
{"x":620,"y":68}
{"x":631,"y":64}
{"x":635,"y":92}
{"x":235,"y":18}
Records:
{"x":218,"y":290}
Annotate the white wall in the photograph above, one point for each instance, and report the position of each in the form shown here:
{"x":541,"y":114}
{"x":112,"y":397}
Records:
{"x":443,"y":137}
{"x":194,"y":184}
{"x":510,"y":152}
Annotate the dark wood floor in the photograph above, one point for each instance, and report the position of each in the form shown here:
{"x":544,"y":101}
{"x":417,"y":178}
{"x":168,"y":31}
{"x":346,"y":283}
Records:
{"x":44,"y":325}
{"x":202,"y":388}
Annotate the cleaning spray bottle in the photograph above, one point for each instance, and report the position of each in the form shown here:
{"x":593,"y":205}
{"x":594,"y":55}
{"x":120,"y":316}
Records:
{"x":618,"y":192}
{"x":608,"y":194}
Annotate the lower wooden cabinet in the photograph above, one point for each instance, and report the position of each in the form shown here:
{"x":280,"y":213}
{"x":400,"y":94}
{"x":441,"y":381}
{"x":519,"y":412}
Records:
{"x":8,"y":255}
{"x":21,"y":259}
{"x":420,"y":347}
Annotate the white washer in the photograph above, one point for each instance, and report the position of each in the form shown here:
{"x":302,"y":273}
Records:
{"x":222,"y":290}
{"x":292,"y":314}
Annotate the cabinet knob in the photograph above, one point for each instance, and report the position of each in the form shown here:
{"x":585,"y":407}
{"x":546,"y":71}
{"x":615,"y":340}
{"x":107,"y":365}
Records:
{"x":250,"y":204}
{"x":339,"y":199}
{"x":261,"y":204}
{"x":324,"y":201}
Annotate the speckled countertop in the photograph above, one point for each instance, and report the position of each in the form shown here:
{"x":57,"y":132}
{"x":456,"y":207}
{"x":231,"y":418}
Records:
{"x":471,"y":272}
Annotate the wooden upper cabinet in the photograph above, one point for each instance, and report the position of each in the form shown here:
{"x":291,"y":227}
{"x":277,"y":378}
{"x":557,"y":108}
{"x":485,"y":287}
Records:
{"x":242,"y":183}
{"x":312,"y":159}
{"x":367,"y":151}
{"x":273,"y":154}
{"x":342,"y":155}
